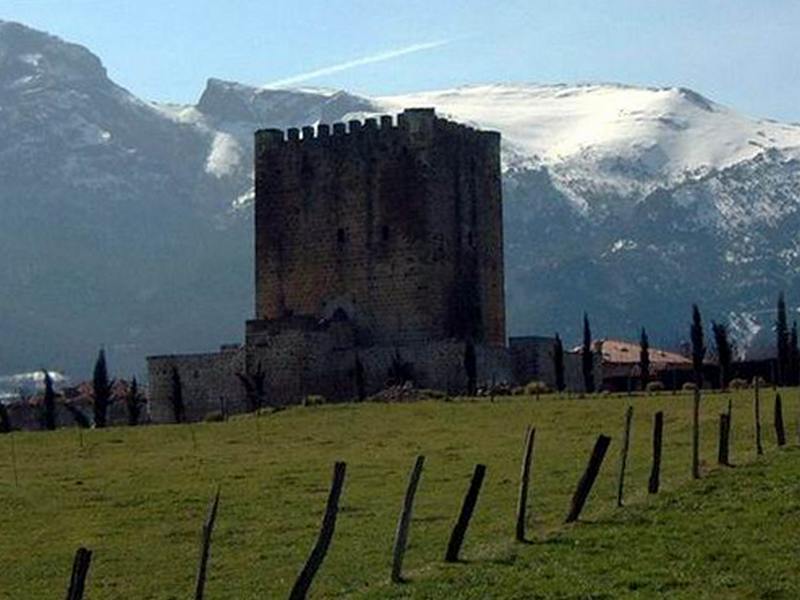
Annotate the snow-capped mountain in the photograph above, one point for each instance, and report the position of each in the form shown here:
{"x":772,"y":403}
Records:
{"x":127,"y":223}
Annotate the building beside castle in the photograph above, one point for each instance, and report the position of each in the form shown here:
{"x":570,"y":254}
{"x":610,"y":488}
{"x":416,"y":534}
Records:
{"x":379,"y":250}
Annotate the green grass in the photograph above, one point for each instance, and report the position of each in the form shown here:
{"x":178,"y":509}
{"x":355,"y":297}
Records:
{"x":138,"y":497}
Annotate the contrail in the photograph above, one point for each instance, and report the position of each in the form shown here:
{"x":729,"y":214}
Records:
{"x":366,"y":60}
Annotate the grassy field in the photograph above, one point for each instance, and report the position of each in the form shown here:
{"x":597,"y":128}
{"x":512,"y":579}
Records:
{"x":138,"y":497}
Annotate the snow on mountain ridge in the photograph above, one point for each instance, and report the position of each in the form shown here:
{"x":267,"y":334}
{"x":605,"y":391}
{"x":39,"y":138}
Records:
{"x":667,"y":132}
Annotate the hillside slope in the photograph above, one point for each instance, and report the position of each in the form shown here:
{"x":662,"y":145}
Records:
{"x":731,"y":535}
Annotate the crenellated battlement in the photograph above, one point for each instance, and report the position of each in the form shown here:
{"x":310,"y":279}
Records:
{"x":416,"y":123}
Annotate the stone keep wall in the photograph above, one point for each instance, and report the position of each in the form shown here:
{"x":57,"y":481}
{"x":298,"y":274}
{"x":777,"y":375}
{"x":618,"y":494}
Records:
{"x":299,"y":361}
{"x":205,"y":378}
{"x":532,"y":359}
{"x":399,"y":226}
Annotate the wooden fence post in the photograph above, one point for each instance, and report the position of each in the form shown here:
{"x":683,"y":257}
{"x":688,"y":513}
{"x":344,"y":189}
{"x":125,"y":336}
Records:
{"x":460,"y":528}
{"x":724,"y":439}
{"x":623,"y":455}
{"x":404,"y":523}
{"x":587,"y":480}
{"x":524,"y":483}
{"x":696,"y":435}
{"x":757,"y":408}
{"x":658,"y":436}
{"x":780,"y":431}
{"x":303,"y":583}
{"x":80,"y":568}
{"x":205,"y":547}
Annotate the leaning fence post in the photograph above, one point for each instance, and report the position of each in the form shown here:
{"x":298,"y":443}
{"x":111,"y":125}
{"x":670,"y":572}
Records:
{"x":724,"y":439}
{"x":587,"y":480}
{"x":303,"y":583}
{"x":780,"y":431}
{"x":658,"y":436}
{"x":460,"y":528}
{"x":524,"y":483}
{"x":205,"y":547}
{"x":404,"y":523}
{"x":696,"y":435}
{"x":623,"y":456}
{"x":757,"y":408}
{"x":80,"y":568}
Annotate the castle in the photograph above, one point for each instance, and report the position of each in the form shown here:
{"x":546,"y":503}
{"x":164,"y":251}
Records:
{"x":379,"y":254}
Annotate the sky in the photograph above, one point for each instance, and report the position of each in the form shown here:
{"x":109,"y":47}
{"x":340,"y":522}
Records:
{"x":743,"y":53}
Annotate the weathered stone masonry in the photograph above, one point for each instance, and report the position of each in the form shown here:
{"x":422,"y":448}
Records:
{"x":399,"y":227}
{"x":375,"y":241}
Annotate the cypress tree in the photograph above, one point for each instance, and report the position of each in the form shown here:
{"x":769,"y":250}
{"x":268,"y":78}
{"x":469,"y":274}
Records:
{"x":80,"y":419}
{"x":5,"y":419}
{"x":644,"y":358}
{"x":101,"y":390}
{"x":254,"y":388}
{"x":558,"y":363}
{"x":176,"y":397}
{"x":133,"y":403}
{"x":471,"y":368}
{"x":724,"y":352}
{"x":49,"y":403}
{"x":698,"y":345}
{"x":782,"y":342}
{"x":358,"y":375}
{"x":587,"y":357}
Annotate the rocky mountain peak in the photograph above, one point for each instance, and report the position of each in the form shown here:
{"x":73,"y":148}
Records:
{"x":227,"y":101}
{"x":30,"y":57}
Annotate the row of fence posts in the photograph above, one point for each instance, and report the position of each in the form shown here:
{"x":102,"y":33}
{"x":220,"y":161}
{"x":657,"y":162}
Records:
{"x":723,"y":450}
{"x":304,"y":580}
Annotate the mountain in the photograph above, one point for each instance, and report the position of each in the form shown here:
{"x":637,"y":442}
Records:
{"x":127,"y":223}
{"x":117,"y":224}
{"x":632,"y":203}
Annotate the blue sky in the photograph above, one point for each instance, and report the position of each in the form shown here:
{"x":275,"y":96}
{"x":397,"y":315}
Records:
{"x":741,"y":53}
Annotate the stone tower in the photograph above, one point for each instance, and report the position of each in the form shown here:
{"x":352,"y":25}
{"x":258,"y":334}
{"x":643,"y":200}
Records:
{"x":379,"y":260}
{"x":395,"y":227}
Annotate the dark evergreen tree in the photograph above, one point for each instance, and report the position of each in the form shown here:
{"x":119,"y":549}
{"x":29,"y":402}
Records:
{"x":101,"y":390}
{"x":358,"y":376}
{"x":558,"y":363}
{"x":644,"y":358}
{"x":724,"y":353}
{"x":698,"y":345}
{"x":255,"y":392}
{"x":400,"y":371}
{"x":471,"y":368}
{"x":782,"y":342}
{"x":176,"y":397}
{"x":133,"y":403}
{"x":81,"y":420}
{"x":5,"y":419}
{"x":587,"y":357}
{"x":794,"y":356}
{"x":48,"y":403}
